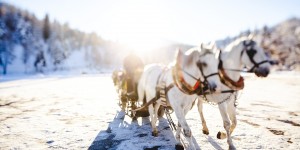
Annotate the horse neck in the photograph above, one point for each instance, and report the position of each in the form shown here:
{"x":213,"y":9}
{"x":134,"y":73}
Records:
{"x":232,"y":60}
{"x":195,"y":72}
{"x":188,"y":79}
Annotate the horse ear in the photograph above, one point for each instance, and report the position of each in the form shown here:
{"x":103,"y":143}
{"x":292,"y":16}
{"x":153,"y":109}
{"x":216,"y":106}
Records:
{"x":218,"y":53}
{"x":201,"y":46}
{"x":213,"y":45}
{"x":179,"y":54}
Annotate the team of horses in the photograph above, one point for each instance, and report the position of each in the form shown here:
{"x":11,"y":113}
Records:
{"x":206,"y":74}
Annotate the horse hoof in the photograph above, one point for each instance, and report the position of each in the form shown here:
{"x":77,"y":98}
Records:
{"x":179,"y":147}
{"x":155,"y":134}
{"x":231,"y":147}
{"x":219,"y":135}
{"x":205,"y":132}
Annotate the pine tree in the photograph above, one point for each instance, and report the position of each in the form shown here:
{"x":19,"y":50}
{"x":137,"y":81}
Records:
{"x":46,"y":28}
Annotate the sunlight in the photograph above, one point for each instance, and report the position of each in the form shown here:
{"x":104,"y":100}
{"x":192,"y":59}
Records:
{"x":140,"y":26}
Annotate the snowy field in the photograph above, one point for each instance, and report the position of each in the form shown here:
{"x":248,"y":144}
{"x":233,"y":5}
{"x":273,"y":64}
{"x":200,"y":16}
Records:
{"x":81,"y":112}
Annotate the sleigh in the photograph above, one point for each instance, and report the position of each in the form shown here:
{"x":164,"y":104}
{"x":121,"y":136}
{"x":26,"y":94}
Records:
{"x":128,"y":101}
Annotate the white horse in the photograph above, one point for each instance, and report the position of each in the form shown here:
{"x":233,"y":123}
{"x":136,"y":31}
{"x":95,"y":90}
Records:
{"x":183,"y":81}
{"x":242,"y":52}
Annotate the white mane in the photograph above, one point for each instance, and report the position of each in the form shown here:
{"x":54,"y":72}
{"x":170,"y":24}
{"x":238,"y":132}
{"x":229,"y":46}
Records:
{"x":235,"y":43}
{"x":192,"y":50}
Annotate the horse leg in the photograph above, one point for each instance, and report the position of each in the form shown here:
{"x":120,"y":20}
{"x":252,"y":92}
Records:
{"x":180,"y":114}
{"x":188,"y":134}
{"x":232,"y":115}
{"x":153,"y":120}
{"x":181,"y":120}
{"x":226,"y":124}
{"x":155,"y":117}
{"x":200,"y":110}
{"x":178,"y":130}
{"x":178,"y":146}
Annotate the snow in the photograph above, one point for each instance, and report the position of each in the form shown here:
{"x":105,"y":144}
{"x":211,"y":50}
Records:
{"x":17,"y":66}
{"x":80,"y":112}
{"x":75,"y":60}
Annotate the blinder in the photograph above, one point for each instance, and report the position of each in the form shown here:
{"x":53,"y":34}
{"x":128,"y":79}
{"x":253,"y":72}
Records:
{"x":205,"y":87}
{"x":250,"y":51}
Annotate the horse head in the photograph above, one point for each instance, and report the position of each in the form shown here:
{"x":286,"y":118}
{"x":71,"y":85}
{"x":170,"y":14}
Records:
{"x":208,"y":63}
{"x":200,"y":63}
{"x":254,"y":57}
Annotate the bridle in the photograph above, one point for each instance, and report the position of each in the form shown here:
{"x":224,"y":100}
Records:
{"x":199,"y":87}
{"x":238,"y":85}
{"x":250,"y":51}
{"x":225,"y":79}
{"x":206,"y":85}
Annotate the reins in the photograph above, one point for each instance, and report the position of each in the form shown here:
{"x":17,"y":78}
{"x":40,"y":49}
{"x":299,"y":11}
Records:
{"x":179,"y":81}
{"x":197,"y":79}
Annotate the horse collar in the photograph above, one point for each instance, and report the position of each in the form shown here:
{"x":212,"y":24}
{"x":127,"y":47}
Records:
{"x":225,"y":79}
{"x":182,"y":85}
{"x":235,"y":85}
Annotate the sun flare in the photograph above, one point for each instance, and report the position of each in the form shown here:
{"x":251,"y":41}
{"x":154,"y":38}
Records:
{"x":142,"y":27}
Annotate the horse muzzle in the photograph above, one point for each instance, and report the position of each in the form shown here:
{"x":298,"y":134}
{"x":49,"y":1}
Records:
{"x":262,"y":71}
{"x":213,"y":87}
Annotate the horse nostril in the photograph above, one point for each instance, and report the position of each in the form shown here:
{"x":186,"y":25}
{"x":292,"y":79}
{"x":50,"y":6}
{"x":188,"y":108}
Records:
{"x":262,"y":72}
{"x":212,"y":87}
{"x":266,"y":72}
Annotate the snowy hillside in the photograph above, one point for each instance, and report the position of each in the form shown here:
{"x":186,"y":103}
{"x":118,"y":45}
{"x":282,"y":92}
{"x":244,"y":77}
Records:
{"x":30,"y":45}
{"x":281,"y":42}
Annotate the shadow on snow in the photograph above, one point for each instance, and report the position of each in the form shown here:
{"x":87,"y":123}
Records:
{"x":122,"y":133}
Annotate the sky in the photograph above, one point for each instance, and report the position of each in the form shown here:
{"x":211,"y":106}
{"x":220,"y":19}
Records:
{"x":147,"y":23}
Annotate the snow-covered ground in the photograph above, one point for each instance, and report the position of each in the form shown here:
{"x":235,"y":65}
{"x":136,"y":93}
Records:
{"x":81,"y":112}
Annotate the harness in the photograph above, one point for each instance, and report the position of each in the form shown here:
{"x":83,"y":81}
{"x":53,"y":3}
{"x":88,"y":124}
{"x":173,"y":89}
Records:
{"x":225,"y":79}
{"x":250,"y":51}
{"x":199,"y":88}
{"x":161,"y":92}
{"x":162,"y":89}
{"x":239,"y":85}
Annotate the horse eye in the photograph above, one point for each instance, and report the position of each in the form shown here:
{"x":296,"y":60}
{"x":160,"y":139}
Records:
{"x":202,"y":64}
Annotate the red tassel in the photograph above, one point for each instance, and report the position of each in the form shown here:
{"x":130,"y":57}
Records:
{"x":196,"y":85}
